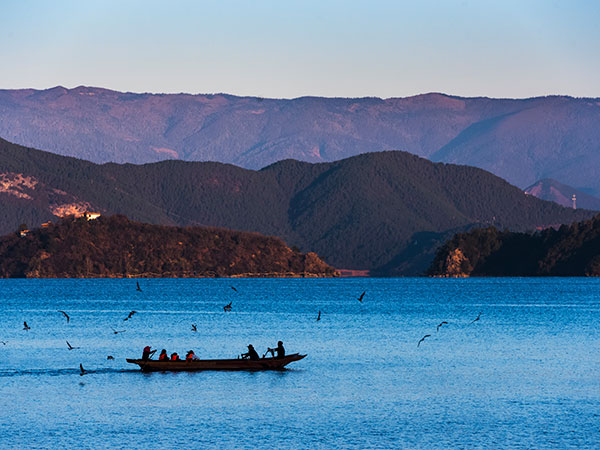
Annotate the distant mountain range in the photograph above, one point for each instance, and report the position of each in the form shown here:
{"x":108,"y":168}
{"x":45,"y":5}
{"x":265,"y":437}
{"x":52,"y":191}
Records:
{"x":552,"y":190}
{"x":519,"y":140}
{"x":386,"y":212}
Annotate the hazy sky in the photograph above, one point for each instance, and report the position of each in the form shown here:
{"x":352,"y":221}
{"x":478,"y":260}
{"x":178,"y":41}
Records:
{"x":283,"y":48}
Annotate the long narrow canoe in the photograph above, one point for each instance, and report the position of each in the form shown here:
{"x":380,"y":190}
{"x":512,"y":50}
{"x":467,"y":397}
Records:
{"x":153,"y":365}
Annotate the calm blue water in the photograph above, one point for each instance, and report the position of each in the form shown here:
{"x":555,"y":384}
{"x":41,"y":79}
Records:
{"x":524,"y":376}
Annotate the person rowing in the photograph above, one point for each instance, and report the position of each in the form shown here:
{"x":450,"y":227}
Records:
{"x":279,"y":350}
{"x":147,"y":353}
{"x":251,"y":354}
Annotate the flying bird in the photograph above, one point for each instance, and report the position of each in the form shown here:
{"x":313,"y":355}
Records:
{"x":66,"y":315}
{"x":360,"y":299}
{"x":423,"y":338}
{"x":118,"y":331}
{"x":227,"y":307}
{"x":83,"y":371}
{"x":232,"y":287}
{"x":71,"y":347}
{"x":110,"y":357}
{"x":26,"y":327}
{"x":440,"y":325}
{"x":129,"y":316}
{"x":319,"y":316}
{"x":139,"y":289}
{"x":476,"y":318}
{"x":194,"y":327}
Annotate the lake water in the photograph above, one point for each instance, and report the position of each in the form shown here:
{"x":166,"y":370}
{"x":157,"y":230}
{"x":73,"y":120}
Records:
{"x":526,"y":375}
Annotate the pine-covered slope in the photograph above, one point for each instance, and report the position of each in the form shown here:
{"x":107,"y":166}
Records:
{"x":386,"y":210}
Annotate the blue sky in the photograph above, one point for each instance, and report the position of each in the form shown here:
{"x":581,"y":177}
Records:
{"x":288,"y":49}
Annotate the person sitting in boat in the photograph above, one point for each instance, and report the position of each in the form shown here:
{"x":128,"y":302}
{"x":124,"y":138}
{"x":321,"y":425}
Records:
{"x":163,"y":355}
{"x":191,"y":356}
{"x":251,"y":354}
{"x":147,"y":353}
{"x":279,"y":350}
{"x":175,"y":357}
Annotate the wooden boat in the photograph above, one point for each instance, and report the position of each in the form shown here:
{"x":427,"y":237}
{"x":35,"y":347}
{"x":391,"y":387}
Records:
{"x":153,"y":365}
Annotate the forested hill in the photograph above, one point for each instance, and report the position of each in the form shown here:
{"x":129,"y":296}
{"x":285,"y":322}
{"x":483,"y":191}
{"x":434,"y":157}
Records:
{"x":572,"y":250}
{"x":520,"y":140}
{"x":117,"y":247}
{"x":385,"y":211}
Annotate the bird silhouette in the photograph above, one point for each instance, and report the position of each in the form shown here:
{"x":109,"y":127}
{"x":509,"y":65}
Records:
{"x":319,"y":316}
{"x":129,"y":316}
{"x":440,"y":325}
{"x":194,"y":327}
{"x":360,"y":299}
{"x":232,"y":287}
{"x":71,"y":347}
{"x":227,"y":307}
{"x":110,"y":357}
{"x":423,"y":338}
{"x":118,"y":331}
{"x":66,"y":315}
{"x":26,"y":327}
{"x":82,"y":370}
{"x":138,"y":288}
{"x":476,"y":318}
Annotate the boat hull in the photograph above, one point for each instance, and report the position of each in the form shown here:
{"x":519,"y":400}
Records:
{"x":153,"y":365}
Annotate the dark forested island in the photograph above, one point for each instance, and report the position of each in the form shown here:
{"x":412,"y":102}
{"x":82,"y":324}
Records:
{"x":386,"y":212}
{"x":567,"y":251}
{"x":117,"y":247}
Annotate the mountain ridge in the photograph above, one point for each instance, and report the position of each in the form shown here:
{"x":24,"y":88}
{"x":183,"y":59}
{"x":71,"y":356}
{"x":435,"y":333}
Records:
{"x":534,"y":138}
{"x":362,"y":212}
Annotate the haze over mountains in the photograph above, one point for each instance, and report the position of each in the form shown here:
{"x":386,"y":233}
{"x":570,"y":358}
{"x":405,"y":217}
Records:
{"x":385,"y":211}
{"x":552,"y":190}
{"x":521,"y":141}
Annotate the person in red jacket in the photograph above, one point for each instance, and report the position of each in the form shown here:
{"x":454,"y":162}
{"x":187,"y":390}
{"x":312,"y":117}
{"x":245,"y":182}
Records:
{"x":175,"y":357}
{"x":163,"y":355}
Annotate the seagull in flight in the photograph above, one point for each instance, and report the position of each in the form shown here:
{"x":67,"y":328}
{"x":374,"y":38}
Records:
{"x":129,"y":316}
{"x":476,"y":318}
{"x":71,"y":347}
{"x":138,"y":288}
{"x":118,"y":331}
{"x":66,"y":315}
{"x":319,"y":316}
{"x":227,"y":307}
{"x":440,"y":325}
{"x":360,"y":299}
{"x":233,"y":287}
{"x":194,"y":327}
{"x":82,"y":370}
{"x":26,"y":327}
{"x":423,"y":338}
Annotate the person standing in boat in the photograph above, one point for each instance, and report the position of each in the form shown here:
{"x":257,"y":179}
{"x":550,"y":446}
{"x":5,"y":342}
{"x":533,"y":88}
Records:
{"x":251,"y":354}
{"x":147,"y":353}
{"x":163,"y":355}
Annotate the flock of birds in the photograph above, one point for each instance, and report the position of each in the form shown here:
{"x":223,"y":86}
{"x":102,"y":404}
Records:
{"x":227,"y":308}
{"x":441,"y":324}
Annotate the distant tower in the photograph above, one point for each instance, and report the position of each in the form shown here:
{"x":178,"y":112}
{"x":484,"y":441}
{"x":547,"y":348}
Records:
{"x":574,"y":201}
